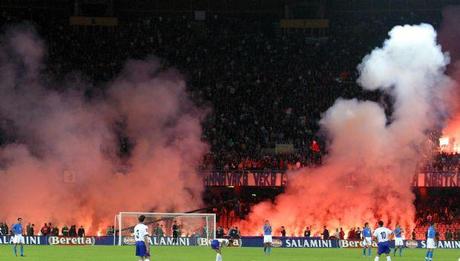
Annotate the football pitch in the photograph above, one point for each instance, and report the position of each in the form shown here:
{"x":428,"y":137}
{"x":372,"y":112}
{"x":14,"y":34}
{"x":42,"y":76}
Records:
{"x":98,"y":253}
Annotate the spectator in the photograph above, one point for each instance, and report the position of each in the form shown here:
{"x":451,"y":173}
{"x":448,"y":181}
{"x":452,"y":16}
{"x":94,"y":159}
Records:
{"x":55,"y":231}
{"x":73,"y":231}
{"x":158,"y":230}
{"x":325,"y":233}
{"x":307,"y":232}
{"x":341,"y":234}
{"x":457,"y":235}
{"x":110,"y":231}
{"x":29,"y":225}
{"x":220,"y":232}
{"x":2,"y":231}
{"x":358,"y":234}
{"x":65,"y":231}
{"x":45,"y":230}
{"x":81,"y":232}
{"x":336,"y":234}
{"x":351,"y":234}
{"x":283,"y":231}
{"x":234,"y":233}
{"x":31,"y":230}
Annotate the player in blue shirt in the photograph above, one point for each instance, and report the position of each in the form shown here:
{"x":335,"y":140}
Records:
{"x":18,"y":238}
{"x":215,"y":244}
{"x":430,"y":241}
{"x":367,"y":239}
{"x":267,"y":238}
{"x":399,"y":242}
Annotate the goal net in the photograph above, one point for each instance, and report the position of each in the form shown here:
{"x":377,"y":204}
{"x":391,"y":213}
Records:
{"x":187,"y":229}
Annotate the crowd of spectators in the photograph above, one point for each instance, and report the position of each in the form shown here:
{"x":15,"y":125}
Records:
{"x":264,"y":87}
{"x":441,"y":206}
{"x":48,"y":229}
{"x":443,"y":162}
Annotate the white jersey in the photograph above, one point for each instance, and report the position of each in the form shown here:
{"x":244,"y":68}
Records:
{"x":382,"y":234}
{"x":140,"y":231}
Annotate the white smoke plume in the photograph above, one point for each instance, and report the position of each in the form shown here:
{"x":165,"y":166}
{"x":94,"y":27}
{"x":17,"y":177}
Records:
{"x":368,"y":172}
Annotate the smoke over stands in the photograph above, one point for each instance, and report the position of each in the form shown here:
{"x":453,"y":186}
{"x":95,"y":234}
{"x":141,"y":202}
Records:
{"x":63,"y":165}
{"x":371,"y":160}
{"x":449,"y":37}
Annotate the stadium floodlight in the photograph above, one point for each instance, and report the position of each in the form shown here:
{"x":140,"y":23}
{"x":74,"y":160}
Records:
{"x":189,"y":225}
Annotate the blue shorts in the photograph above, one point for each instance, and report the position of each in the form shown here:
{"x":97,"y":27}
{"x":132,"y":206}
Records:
{"x":383,"y":248}
{"x":215,"y":244}
{"x":141,"y":249}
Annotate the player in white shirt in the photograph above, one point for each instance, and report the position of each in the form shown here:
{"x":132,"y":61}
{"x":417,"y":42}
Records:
{"x":382,"y":236}
{"x":141,"y":235}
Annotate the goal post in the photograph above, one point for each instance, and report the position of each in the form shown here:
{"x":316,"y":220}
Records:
{"x":191,"y":227}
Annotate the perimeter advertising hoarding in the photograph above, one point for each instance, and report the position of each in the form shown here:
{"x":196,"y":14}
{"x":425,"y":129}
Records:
{"x":287,"y":242}
{"x":28,"y":240}
{"x":291,"y":242}
{"x":301,"y":242}
{"x":407,"y":243}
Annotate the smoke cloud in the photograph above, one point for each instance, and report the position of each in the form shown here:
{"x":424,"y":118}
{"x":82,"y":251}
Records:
{"x":449,"y":37}
{"x":371,"y":160}
{"x":61,"y":161}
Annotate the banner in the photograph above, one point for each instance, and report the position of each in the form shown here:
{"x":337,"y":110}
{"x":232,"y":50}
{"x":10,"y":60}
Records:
{"x":166,"y":241}
{"x":28,"y":240}
{"x":309,"y":243}
{"x":302,"y":242}
{"x":438,"y":179}
{"x":442,"y":244}
{"x":286,"y":242}
{"x":245,"y":179}
{"x":72,"y":241}
{"x":357,"y":244}
{"x":291,"y":242}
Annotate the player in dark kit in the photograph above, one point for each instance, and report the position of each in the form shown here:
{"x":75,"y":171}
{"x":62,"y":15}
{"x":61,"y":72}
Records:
{"x":175,"y":229}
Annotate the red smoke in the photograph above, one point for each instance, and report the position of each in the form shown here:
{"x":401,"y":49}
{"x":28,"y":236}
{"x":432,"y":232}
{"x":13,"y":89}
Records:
{"x":64,"y":165}
{"x":368,"y":172}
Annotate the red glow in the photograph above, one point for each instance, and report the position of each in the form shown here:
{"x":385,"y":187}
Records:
{"x":64,"y":168}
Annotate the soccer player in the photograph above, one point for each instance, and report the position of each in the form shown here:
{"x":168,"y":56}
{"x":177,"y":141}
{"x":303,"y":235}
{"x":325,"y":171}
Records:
{"x":215,"y":244}
{"x":141,"y":236}
{"x":367,"y":240}
{"x":18,"y":238}
{"x":267,"y":238}
{"x":399,"y":242}
{"x":382,"y":236}
{"x":430,"y":241}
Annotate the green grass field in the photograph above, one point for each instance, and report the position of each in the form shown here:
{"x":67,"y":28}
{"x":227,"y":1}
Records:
{"x":99,"y":253}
